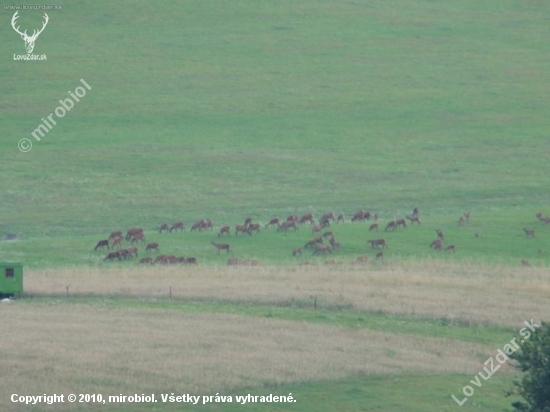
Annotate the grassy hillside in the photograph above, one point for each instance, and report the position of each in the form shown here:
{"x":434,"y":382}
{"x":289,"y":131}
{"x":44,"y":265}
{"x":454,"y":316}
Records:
{"x":262,"y":109}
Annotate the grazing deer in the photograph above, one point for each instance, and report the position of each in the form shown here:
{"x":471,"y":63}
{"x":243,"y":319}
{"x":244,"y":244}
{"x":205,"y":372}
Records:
{"x":198,"y":225}
{"x":414,"y":219}
{"x":539,"y":215}
{"x":450,"y":248}
{"x":297,"y":251}
{"x":437,"y":244}
{"x":358,"y":216}
{"x":391,"y":225}
{"x":112,"y":255}
{"x":160,"y":259}
{"x":306,"y":218}
{"x":529,"y":232}
{"x":152,"y":246}
{"x":401,"y":222}
{"x":324,"y":223}
{"x":322,"y":249}
{"x":146,"y":261}
{"x":117,"y":241}
{"x":164,"y":228}
{"x":241,"y":229}
{"x":524,"y":262}
{"x":132,"y":251}
{"x":378,"y":242}
{"x":253,"y":227}
{"x":366,"y":215}
{"x":374,"y":226}
{"x":138,"y":237}
{"x":314,"y":242}
{"x":288,"y":224}
{"x":208,"y":224}
{"x":132,"y":232}
{"x":329,"y":215}
{"x":224,"y":231}
{"x":116,"y":234}
{"x":340,"y":218}
{"x":440,"y":234}
{"x":273,"y":222}
{"x":334,"y":243}
{"x":101,"y":244}
{"x":191,"y":261}
{"x":222,"y":246}
{"x":123,"y":253}
{"x":291,"y":218}
{"x":546,"y":219}
{"x":178,"y":226}
{"x":380,"y":255}
{"x":247,"y":221}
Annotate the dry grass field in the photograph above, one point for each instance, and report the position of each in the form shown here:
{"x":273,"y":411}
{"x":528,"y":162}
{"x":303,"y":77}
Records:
{"x":477,"y":294}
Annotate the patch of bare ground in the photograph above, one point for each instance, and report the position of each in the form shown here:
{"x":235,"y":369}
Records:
{"x":89,"y":349}
{"x":479,"y":294}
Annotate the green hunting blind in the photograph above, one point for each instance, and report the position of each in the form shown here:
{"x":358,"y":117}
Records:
{"x":11,"y":279}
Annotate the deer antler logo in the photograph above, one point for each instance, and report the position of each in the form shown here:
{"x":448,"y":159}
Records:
{"x":29,"y":40}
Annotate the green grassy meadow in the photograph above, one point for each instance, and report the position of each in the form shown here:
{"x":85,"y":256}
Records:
{"x":223,"y":110}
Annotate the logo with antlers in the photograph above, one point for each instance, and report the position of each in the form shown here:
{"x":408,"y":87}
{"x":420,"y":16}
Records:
{"x":29,"y":40}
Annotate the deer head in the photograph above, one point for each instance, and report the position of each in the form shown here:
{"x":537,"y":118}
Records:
{"x":29,"y":40}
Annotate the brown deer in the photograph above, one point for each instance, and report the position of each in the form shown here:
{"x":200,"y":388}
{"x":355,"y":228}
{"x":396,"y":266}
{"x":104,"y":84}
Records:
{"x":101,"y":244}
{"x":200,"y":225}
{"x":288,"y":224}
{"x":374,"y":226}
{"x":380,"y":255}
{"x":297,"y":251}
{"x":132,"y":251}
{"x":329,"y":215}
{"x":178,"y":226}
{"x":224,"y":231}
{"x":358,"y":216}
{"x":461,"y":220}
{"x":539,"y":215}
{"x":273,"y":222}
{"x":314,"y":242}
{"x":340,"y":218}
{"x":160,"y":259}
{"x":437,"y":244}
{"x":191,"y":261}
{"x":152,"y":246}
{"x":322,"y":249}
{"x":138,"y":237}
{"x":292,"y":218}
{"x":306,"y":218}
{"x":208,"y":224}
{"x":391,"y":225}
{"x":222,"y":246}
{"x":116,"y":234}
{"x":524,"y":262}
{"x":164,"y":228}
{"x":529,"y":232}
{"x":241,"y":229}
{"x":440,"y":234}
{"x":324,"y":223}
{"x":414,"y":219}
{"x":146,"y":261}
{"x":327,"y":234}
{"x":450,"y":248}
{"x":416,"y":212}
{"x":232,"y":262}
{"x":401,"y":222}
{"x":334,"y":243}
{"x":132,"y":232}
{"x":375,"y":243}
{"x":112,"y":255}
{"x":117,"y":241}
{"x":123,"y":253}
{"x":247,"y":221}
{"x":253,"y":227}
{"x":366,"y":215}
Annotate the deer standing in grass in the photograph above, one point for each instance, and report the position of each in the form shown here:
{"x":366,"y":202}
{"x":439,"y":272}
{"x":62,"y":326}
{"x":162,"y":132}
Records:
{"x":222,"y":246}
{"x":529,"y":232}
{"x":101,"y":244}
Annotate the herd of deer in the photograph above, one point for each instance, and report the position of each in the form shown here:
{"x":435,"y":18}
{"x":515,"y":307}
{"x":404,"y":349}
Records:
{"x":317,"y":244}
